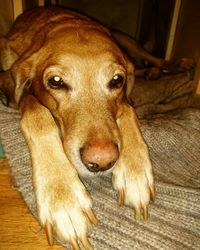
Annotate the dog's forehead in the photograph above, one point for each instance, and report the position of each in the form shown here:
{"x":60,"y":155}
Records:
{"x":85,"y":43}
{"x":105,"y":59}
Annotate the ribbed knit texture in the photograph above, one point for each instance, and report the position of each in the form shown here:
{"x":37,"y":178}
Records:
{"x":174,"y":223}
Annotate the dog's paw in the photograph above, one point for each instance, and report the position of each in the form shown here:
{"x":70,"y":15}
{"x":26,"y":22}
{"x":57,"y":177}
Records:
{"x":153,"y":73}
{"x":133,"y":179}
{"x":65,"y":211}
{"x":179,"y":66}
{"x":185,"y":64}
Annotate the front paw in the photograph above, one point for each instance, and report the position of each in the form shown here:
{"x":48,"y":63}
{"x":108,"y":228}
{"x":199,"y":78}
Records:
{"x":133,"y":179}
{"x":64,"y":209}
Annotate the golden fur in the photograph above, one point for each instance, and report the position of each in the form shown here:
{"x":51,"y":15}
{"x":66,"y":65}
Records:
{"x":70,"y":81}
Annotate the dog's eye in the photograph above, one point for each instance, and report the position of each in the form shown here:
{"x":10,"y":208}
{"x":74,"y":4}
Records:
{"x":56,"y":82}
{"x":116,"y":82}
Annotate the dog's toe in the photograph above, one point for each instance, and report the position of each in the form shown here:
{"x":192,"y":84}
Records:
{"x":49,"y":232}
{"x":153,"y":73}
{"x":135,"y":188}
{"x":185,"y":64}
{"x":65,"y":212}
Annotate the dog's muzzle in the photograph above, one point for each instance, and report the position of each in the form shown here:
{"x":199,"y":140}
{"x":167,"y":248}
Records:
{"x":99,"y":155}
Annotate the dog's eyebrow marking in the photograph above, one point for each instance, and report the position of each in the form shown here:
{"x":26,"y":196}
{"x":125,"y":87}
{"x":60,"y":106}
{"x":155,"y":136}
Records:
{"x":116,"y":64}
{"x":115,"y":58}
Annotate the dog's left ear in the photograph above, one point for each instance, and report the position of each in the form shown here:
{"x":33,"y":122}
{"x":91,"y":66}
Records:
{"x":130,"y":80}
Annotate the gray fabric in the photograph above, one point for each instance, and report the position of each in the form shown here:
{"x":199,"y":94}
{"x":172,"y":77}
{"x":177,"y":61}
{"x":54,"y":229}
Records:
{"x":164,"y":95}
{"x":174,"y":143}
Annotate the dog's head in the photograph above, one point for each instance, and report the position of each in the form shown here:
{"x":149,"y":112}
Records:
{"x":81,"y":76}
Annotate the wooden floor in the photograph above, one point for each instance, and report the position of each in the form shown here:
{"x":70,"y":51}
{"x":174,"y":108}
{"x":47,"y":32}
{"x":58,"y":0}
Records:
{"x":18,"y":229}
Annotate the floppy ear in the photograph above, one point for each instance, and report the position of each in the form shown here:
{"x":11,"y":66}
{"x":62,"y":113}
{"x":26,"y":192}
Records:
{"x":17,"y":80}
{"x":7,"y":85}
{"x":130,"y":78}
{"x":23,"y":73}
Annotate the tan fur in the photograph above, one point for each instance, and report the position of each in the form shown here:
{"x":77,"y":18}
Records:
{"x":58,"y":123}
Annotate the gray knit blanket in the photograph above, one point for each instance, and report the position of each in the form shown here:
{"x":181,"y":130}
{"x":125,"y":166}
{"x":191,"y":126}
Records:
{"x":174,"y":144}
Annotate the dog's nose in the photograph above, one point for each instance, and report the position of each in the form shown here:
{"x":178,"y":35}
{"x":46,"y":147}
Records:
{"x":99,"y":155}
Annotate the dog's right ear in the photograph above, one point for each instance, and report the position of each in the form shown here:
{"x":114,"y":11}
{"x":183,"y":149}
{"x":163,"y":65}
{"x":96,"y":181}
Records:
{"x":17,"y":80}
{"x":7,"y":85}
{"x":23,"y":74}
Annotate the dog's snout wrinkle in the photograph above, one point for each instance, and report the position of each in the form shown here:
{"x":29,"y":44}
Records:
{"x":99,"y":155}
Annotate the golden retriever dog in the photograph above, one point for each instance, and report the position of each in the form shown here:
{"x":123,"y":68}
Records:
{"x":71,"y":81}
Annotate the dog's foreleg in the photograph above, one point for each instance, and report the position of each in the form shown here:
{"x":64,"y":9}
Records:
{"x":132,"y":175}
{"x":62,"y":200}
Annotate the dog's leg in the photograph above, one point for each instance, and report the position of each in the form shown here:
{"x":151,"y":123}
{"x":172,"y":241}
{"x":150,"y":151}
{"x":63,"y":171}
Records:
{"x":133,"y":49}
{"x":132,"y":175}
{"x":64,"y":206}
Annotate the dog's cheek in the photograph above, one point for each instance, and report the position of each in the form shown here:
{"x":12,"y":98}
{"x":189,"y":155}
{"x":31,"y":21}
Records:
{"x":44,"y":97}
{"x":116,"y":106}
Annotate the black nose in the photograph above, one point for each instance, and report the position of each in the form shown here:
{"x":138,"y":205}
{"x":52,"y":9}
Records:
{"x":99,"y":155}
